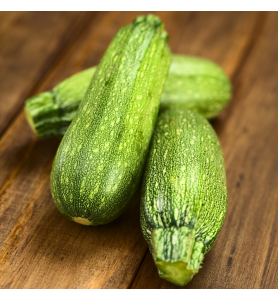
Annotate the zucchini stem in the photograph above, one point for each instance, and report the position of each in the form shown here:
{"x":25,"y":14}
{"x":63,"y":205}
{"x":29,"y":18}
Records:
{"x":177,"y":254}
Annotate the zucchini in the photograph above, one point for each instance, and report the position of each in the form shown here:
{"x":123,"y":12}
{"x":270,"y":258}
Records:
{"x":192,"y":82}
{"x":198,"y":84}
{"x":99,"y":162}
{"x":184,"y":193}
{"x":50,"y":113}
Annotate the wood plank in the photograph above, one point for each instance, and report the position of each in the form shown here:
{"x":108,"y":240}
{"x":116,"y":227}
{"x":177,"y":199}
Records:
{"x":45,"y":246}
{"x":7,"y":18}
{"x":218,"y":36}
{"x":245,"y":253}
{"x":250,"y":149}
{"x":36,"y":235}
{"x":29,"y":43}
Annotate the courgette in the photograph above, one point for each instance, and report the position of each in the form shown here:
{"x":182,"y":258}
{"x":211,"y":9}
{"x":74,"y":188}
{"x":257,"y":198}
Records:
{"x":197,"y":84}
{"x":184,"y":193}
{"x":99,"y":162}
{"x":192,"y":82}
{"x":50,"y":113}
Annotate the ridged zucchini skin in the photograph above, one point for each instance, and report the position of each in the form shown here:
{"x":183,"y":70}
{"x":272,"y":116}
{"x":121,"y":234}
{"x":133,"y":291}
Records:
{"x":50,"y":113}
{"x":100,"y":160}
{"x":197,"y":84}
{"x":192,"y":82}
{"x":184,"y":193}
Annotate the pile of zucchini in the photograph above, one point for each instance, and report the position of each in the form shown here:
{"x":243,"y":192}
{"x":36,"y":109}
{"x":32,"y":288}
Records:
{"x":108,"y":117}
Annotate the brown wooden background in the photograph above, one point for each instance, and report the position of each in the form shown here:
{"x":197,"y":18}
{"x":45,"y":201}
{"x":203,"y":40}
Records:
{"x":39,"y":248}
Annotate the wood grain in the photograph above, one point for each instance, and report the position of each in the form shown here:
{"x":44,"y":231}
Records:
{"x":30,"y":42}
{"x":245,"y":253}
{"x":39,"y":245}
{"x":220,"y":37}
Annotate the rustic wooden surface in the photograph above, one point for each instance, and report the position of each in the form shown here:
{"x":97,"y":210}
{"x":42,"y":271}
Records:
{"x":39,"y":248}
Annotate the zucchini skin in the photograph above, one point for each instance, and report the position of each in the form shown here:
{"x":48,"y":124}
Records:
{"x":99,"y":162}
{"x":184,"y":193}
{"x":198,"y":84}
{"x":50,"y":113}
{"x":192,"y":83}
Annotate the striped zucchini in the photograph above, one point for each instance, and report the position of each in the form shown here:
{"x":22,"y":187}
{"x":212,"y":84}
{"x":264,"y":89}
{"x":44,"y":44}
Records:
{"x":99,"y":162}
{"x":192,"y":82}
{"x":50,"y":113}
{"x":184,"y":193}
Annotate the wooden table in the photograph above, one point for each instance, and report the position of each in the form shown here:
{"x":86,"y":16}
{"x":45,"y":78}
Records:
{"x":40,"y":248}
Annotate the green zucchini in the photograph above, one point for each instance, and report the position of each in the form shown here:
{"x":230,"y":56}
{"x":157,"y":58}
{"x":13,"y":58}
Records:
{"x":50,"y":113}
{"x":192,"y":82}
{"x":99,"y":162}
{"x":184,"y":193}
{"x":198,"y":84}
